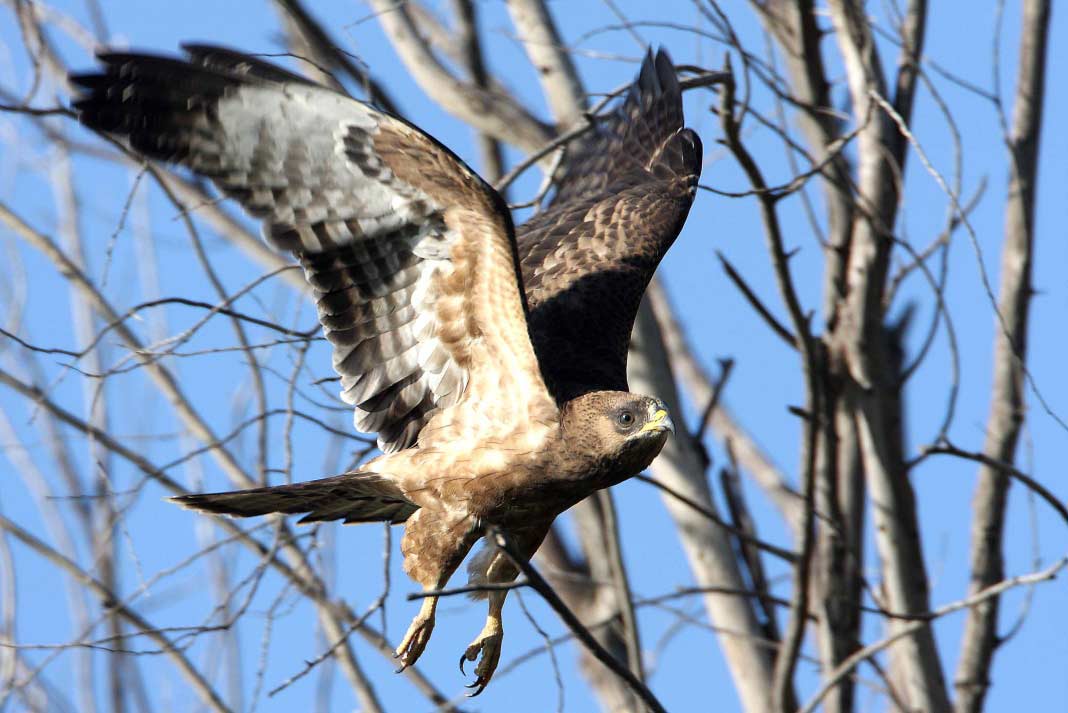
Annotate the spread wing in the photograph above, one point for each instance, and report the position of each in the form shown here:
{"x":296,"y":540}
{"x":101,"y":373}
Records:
{"x":622,"y":199}
{"x":411,"y":255}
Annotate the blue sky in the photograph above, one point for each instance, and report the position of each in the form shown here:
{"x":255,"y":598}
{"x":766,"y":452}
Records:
{"x":689,"y":672}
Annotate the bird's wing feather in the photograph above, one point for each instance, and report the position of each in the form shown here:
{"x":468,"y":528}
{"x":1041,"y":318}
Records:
{"x":622,"y":197}
{"x":627,"y":141}
{"x":411,"y":255}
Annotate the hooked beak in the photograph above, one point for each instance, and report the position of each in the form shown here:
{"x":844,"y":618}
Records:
{"x":660,"y":421}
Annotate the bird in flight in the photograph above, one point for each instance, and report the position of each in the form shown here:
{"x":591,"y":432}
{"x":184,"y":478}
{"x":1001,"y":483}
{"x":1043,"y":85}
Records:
{"x":491,"y":362}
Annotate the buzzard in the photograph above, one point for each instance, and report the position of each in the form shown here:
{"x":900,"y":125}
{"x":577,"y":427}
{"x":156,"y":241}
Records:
{"x":492,"y":406}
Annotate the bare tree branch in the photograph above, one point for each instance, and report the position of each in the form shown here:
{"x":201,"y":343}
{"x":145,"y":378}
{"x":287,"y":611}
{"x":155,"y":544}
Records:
{"x":860,"y":337}
{"x":493,"y":113}
{"x":208,"y":695}
{"x":868,"y":651}
{"x":559,"y":80}
{"x":467,"y":35}
{"x":794,"y":26}
{"x":1007,"y":407}
{"x":538,"y":583}
{"x":326,"y":53}
{"x":707,"y":546}
{"x":698,"y":386}
{"x":622,"y":585}
{"x":584,"y":587}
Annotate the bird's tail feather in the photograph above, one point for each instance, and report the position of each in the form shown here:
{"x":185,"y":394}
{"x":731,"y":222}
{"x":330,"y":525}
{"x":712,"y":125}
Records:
{"x":352,"y":497}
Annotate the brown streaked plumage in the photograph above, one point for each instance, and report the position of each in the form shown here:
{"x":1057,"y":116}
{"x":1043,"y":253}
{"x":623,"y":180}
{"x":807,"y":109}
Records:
{"x":418,"y":283}
{"x":623,"y":196}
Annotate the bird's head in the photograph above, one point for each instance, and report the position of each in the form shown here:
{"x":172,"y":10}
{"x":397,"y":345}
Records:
{"x":620,"y":431}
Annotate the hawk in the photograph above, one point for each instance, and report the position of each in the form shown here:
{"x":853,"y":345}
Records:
{"x":492,"y":369}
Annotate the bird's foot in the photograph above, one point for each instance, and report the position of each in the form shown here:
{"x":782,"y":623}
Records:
{"x":488,"y":645}
{"x":412,"y":645}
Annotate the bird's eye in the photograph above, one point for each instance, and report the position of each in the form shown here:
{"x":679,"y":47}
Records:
{"x":625,"y":419}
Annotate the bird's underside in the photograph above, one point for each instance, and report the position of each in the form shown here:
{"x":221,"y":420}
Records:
{"x":487,"y":412}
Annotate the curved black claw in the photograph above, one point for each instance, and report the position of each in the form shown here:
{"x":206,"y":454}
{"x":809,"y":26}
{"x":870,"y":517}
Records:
{"x":486,"y":650}
{"x":480,"y":683}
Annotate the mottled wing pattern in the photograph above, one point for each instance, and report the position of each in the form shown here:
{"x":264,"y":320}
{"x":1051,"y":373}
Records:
{"x":620,"y":202}
{"x":353,"y":497}
{"x":626,"y":140}
{"x":411,"y":255}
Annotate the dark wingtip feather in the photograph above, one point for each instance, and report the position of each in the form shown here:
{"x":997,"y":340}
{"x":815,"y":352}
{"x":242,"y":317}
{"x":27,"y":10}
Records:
{"x":124,"y":62}
{"x":648,"y":81}
{"x":148,"y":98}
{"x":199,"y":50}
{"x":231,"y":61}
{"x":203,"y":502}
{"x":657,"y":75}
{"x":88,"y":80}
{"x":665,"y":71}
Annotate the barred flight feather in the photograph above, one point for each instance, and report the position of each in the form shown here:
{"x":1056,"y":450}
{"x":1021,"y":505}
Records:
{"x":359,"y":196}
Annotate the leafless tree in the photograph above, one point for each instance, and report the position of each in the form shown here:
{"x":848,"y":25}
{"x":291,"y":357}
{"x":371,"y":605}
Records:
{"x":835,"y":119}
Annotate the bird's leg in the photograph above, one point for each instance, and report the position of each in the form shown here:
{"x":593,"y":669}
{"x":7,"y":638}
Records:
{"x":419,"y":631}
{"x":487,"y":644}
{"x":496,"y":567}
{"x":434,"y":545}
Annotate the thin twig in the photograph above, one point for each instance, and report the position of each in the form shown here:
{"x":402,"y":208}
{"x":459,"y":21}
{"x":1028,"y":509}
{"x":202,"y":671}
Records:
{"x":847,"y":666}
{"x":538,"y":583}
{"x":1042,"y":491}
{"x":204,"y":689}
{"x":779,"y":552}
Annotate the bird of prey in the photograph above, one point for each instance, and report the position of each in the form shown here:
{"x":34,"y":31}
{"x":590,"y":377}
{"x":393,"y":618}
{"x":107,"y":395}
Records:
{"x":493,"y":406}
